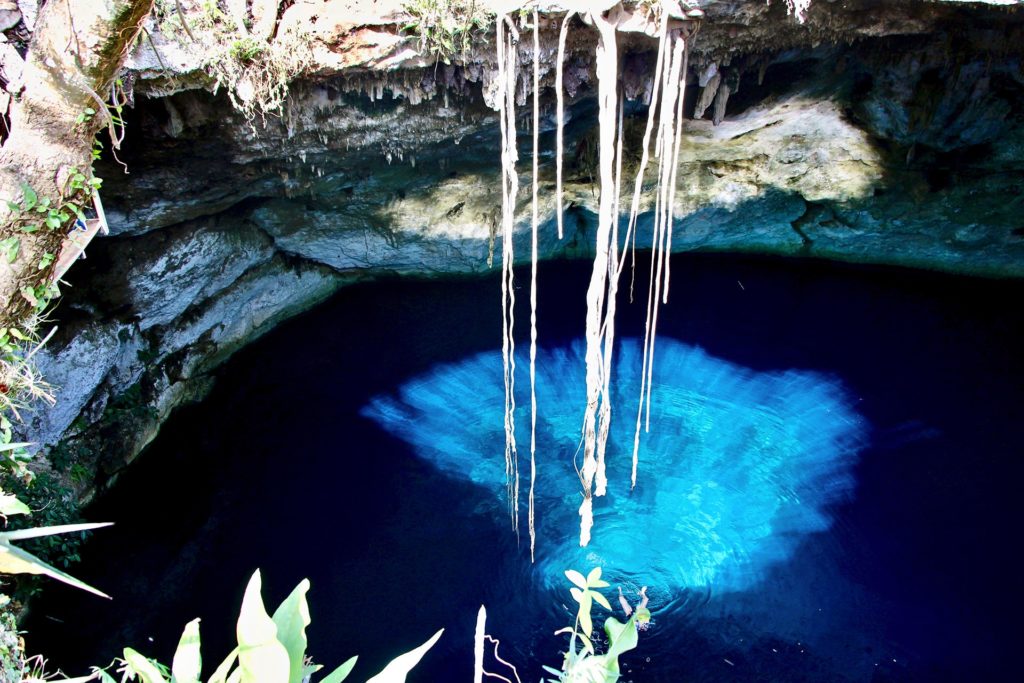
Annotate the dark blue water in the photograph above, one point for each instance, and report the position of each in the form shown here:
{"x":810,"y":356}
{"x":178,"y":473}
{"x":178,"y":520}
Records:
{"x":829,"y":491}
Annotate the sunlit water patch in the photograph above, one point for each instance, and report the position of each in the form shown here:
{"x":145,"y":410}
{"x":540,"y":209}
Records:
{"x":738,"y":468}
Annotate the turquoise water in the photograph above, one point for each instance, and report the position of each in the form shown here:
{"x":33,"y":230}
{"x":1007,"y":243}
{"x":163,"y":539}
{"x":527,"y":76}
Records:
{"x":738,"y":467}
{"x":830,"y":491}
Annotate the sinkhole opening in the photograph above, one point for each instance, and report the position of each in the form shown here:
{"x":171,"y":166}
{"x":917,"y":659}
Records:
{"x":828,"y":481}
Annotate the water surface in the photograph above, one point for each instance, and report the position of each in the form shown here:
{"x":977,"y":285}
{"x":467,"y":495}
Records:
{"x":828,"y":491}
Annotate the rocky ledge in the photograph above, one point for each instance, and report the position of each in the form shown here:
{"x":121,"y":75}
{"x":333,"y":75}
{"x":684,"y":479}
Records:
{"x":876,"y":132}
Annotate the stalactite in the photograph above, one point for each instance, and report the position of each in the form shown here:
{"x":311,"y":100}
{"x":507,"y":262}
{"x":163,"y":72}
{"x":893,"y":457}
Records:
{"x":506,"y":44}
{"x":533,"y":275}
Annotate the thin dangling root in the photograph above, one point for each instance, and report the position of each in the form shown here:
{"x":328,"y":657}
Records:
{"x":667,"y":144}
{"x":607,"y":73}
{"x":506,"y":42}
{"x":560,"y":96}
{"x":533,"y":276}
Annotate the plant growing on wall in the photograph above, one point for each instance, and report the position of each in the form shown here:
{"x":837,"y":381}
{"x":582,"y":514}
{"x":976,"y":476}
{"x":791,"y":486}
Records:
{"x":445,"y":28}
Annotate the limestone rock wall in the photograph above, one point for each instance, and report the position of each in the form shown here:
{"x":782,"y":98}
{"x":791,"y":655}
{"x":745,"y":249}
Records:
{"x":877,"y":132}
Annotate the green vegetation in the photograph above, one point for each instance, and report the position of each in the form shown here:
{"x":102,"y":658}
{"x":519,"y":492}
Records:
{"x":582,"y":663}
{"x":49,"y":503}
{"x":12,"y":665}
{"x":254,"y":72}
{"x":446,"y":28}
{"x":271,"y":649}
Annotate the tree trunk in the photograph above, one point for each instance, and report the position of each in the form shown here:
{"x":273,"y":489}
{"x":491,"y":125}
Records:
{"x":75,"y":54}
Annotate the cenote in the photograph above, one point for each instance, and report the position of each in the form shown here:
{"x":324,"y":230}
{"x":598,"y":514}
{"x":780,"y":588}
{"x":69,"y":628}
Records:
{"x":828,"y":491}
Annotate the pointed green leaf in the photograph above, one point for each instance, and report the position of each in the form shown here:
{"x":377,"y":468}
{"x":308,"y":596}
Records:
{"x":594,"y":575}
{"x":399,"y":667}
{"x":291,"y":619}
{"x":576,"y":578}
{"x":621,"y":638}
{"x":601,"y":600}
{"x":577,"y":595}
{"x":30,"y":196}
{"x":143,"y":667}
{"x":587,"y":643}
{"x":478,"y":644}
{"x":221,"y":674}
{"x":261,"y":657}
{"x":341,"y":673}
{"x":188,"y":662}
{"x":14,"y":560}
{"x":37,"y":531}
{"x":10,"y":248}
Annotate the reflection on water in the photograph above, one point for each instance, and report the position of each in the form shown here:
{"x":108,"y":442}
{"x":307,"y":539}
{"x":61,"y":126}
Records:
{"x":738,"y":468}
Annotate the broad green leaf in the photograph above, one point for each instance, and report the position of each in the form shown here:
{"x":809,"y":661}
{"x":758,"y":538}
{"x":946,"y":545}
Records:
{"x":601,"y":600}
{"x":621,"y":638}
{"x":14,"y":560}
{"x":30,"y":196}
{"x":105,"y":677}
{"x":594,"y":575}
{"x":341,"y":673}
{"x":10,"y":505}
{"x":577,"y":595}
{"x":221,"y":674}
{"x":188,"y":662}
{"x":261,"y":657}
{"x":399,"y":667}
{"x":10,"y":248}
{"x":143,"y":667}
{"x":577,"y":578}
{"x":291,"y":619}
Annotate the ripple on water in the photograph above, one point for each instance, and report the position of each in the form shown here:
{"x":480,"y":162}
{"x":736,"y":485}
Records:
{"x":739,"y":466}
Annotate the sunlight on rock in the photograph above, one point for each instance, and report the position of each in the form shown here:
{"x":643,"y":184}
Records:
{"x":738,"y":468}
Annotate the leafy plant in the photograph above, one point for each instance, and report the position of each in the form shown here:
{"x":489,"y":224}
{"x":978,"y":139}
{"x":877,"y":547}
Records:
{"x":53,"y":504}
{"x":445,"y":27}
{"x":246,"y":49}
{"x":15,"y":560}
{"x":271,"y":649}
{"x":582,"y":663}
